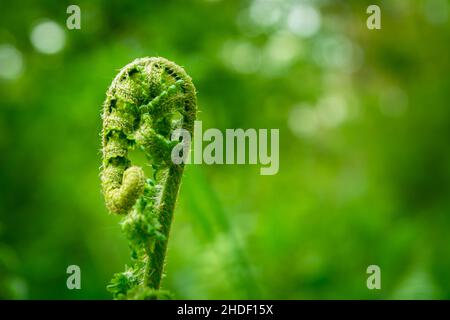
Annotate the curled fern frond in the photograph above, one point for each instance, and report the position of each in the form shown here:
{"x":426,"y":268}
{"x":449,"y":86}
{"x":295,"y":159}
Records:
{"x":148,"y":99}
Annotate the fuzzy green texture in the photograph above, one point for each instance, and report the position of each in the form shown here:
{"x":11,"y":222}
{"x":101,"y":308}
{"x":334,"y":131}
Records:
{"x":147,"y":100}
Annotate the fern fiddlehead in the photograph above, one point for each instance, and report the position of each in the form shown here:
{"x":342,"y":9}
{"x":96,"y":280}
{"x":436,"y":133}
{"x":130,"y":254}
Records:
{"x":147,"y":100}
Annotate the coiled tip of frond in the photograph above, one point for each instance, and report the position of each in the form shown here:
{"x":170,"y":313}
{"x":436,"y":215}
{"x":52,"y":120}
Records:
{"x":140,"y":104}
{"x":120,"y":197}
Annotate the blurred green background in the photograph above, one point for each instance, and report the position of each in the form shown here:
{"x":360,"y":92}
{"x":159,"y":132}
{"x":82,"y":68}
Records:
{"x":364,"y":125}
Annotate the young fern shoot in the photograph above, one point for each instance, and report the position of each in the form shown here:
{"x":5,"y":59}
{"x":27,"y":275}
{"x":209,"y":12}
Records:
{"x":148,"y":99}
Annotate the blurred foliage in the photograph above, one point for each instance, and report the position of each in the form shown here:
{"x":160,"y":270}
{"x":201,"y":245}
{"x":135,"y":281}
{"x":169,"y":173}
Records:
{"x":364,"y":157}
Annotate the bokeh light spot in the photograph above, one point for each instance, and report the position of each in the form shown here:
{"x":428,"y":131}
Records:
{"x":304,"y":20}
{"x":332,"y":111}
{"x":48,"y":37}
{"x":281,"y":51}
{"x":11,"y":62}
{"x":241,"y":56}
{"x":265,"y":12}
{"x":338,"y":52}
{"x":303,"y":121}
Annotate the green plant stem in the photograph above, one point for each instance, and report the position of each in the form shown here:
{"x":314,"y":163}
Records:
{"x":156,"y":265}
